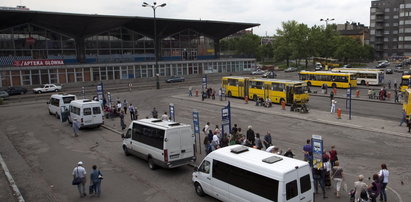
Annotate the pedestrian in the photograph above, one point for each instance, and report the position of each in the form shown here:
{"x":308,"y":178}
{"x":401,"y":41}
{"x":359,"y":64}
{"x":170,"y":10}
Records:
{"x":190,"y":91}
{"x":267,"y":140}
{"x":76,"y":127}
{"x":319,"y":177}
{"x":224,"y":140}
{"x":337,"y":177}
{"x":125,"y":103}
{"x":250,"y":136}
{"x":307,"y":150}
{"x":217,"y":131}
{"x":389,"y":84}
{"x":374,"y":188}
{"x":164,"y":117}
{"x":131,"y":110}
{"x":403,"y":118}
{"x":323,"y":88}
{"x":213,"y":94}
{"x":369,"y":94}
{"x":383,"y":178}
{"x":333,"y":105}
{"x":333,"y":156}
{"x":289,"y":153}
{"x":206,"y":143}
{"x":118,"y":106}
{"x":215,"y":142}
{"x":95,"y":179}
{"x":396,"y":100}
{"x":360,"y":189}
{"x":135,"y":113}
{"x":154,"y":113}
{"x":234,"y":129}
{"x":258,"y":142}
{"x":203,"y":95}
{"x":395,"y":84}
{"x":122,"y":124}
{"x":130,"y":85}
{"x":206,"y":128}
{"x":331,"y":96}
{"x":220,"y":94}
{"x":79,"y":173}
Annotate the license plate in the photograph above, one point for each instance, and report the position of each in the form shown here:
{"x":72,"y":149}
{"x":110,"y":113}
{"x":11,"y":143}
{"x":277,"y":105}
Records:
{"x":174,"y":156}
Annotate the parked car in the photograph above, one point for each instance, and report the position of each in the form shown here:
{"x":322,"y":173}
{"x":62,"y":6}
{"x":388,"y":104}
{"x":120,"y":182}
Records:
{"x":18,"y":90}
{"x":174,"y":79}
{"x":381,"y":65}
{"x":347,"y":66}
{"x":47,"y":88}
{"x":258,"y":72}
{"x":3,"y":94}
{"x":389,"y":71}
{"x":398,"y":69}
{"x":269,"y":75}
{"x":318,"y":66}
{"x":291,"y":69}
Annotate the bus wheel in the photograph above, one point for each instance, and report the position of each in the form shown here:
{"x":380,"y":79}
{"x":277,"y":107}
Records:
{"x":229,"y":93}
{"x":362,"y":82}
{"x":308,"y":83}
{"x":334,"y":85}
{"x":199,"y":189}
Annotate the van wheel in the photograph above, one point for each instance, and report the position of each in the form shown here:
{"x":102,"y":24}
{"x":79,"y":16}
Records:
{"x":57,"y":116}
{"x":50,"y":112}
{"x":334,"y":85}
{"x":151,"y":164}
{"x":199,"y":189}
{"x":126,"y":151}
{"x":39,"y":92}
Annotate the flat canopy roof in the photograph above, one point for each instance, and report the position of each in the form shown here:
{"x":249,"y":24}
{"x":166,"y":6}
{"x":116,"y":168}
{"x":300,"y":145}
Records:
{"x":85,"y":25}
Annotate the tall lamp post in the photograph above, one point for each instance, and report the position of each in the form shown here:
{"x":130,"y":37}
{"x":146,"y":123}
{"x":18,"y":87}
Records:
{"x":154,"y":7}
{"x":326,"y":21}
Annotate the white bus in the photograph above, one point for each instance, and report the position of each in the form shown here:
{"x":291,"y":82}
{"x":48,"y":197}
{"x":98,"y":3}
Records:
{"x":239,"y":173}
{"x":372,"y":76}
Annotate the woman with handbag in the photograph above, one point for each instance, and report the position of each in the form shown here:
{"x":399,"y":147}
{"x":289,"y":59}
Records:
{"x":383,"y":175}
{"x":337,"y":177}
{"x":95,"y":179}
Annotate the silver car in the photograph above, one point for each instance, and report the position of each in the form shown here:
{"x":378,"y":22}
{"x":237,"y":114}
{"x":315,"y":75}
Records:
{"x":4,"y":94}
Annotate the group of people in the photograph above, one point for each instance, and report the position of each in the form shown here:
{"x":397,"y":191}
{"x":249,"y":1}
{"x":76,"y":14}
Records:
{"x":214,"y":139}
{"x":210,"y":93}
{"x":80,"y":178}
{"x":331,"y":171}
{"x":261,"y":102}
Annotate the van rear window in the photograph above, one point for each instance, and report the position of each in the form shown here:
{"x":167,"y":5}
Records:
{"x":87,"y":111}
{"x":305,"y":183}
{"x":291,"y":189}
{"x":67,"y":100}
{"x":96,"y":110}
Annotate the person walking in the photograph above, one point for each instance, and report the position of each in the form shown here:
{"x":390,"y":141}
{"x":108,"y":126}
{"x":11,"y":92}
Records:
{"x":374,"y":188}
{"x":319,"y":177}
{"x":337,"y":176}
{"x":360,"y":189}
{"x":389,"y":84}
{"x":369,"y":94}
{"x":307,"y":150}
{"x":289,"y":153}
{"x":154,"y":113}
{"x":333,"y":105}
{"x":383,"y":176}
{"x":395,"y":84}
{"x":333,"y":156}
{"x":131,"y":110}
{"x":190,"y":91}
{"x":258,"y":142}
{"x":396,"y":100}
{"x":125,"y":103}
{"x":403,"y":118}
{"x":220,"y":94}
{"x":76,"y":127}
{"x":250,"y":136}
{"x":267,"y":140}
{"x":122,"y":124}
{"x":331,"y":96}
{"x":95,"y":179}
{"x":80,"y":172}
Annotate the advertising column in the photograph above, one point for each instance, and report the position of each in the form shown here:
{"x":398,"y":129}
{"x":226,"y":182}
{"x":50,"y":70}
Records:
{"x":317,"y":147}
{"x":226,"y":119}
{"x":196,"y":125}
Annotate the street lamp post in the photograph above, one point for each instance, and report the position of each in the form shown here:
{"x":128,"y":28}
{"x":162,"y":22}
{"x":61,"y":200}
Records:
{"x":326,"y":21}
{"x":154,"y":7}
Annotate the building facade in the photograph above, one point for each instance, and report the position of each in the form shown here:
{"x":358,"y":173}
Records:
{"x":390,"y":28}
{"x":356,"y":31}
{"x":43,"y":47}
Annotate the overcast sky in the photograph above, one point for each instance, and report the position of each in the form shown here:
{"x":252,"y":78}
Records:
{"x":268,"y":13}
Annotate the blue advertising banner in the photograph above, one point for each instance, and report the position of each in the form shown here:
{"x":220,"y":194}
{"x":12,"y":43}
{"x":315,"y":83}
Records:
{"x":172,"y":112}
{"x":100,"y":91}
{"x":196,"y":125}
{"x":317,"y":147}
{"x":204,"y":82}
{"x":226,"y":119}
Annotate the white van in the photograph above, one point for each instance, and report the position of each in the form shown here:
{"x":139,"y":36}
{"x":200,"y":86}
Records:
{"x":59,"y":101}
{"x":239,"y":173}
{"x":166,"y":144}
{"x":87,"y":112}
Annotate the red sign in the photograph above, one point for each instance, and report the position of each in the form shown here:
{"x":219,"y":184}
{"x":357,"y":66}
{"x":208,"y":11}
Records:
{"x":27,"y":63}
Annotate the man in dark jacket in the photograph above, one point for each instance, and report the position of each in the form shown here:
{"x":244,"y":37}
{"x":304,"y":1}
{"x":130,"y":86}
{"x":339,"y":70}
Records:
{"x":250,"y":137}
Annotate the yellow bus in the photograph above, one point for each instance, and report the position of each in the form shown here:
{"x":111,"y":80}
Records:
{"x":331,"y":79}
{"x":405,"y":81}
{"x":327,"y":62}
{"x":277,"y":90}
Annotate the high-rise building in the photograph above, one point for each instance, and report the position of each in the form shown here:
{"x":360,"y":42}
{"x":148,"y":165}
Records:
{"x":390,"y":27}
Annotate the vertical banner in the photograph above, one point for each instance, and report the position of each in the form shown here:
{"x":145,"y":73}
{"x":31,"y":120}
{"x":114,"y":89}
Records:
{"x":204,"y":82}
{"x":83,"y":92}
{"x":317,"y":147}
{"x":100,"y":91}
{"x":196,"y":125}
{"x":226,"y":119}
{"x":109,"y":98}
{"x":172,"y":112}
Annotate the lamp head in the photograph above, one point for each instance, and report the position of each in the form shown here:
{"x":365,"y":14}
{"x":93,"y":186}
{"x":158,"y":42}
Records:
{"x":332,"y":19}
{"x":145,"y":4}
{"x":162,"y":5}
{"x":321,"y":19}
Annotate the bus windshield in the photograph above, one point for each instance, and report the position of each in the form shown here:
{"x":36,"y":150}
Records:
{"x":301,"y":89}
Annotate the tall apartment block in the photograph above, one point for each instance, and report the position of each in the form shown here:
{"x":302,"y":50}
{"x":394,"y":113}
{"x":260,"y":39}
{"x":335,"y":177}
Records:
{"x":390,"y":27}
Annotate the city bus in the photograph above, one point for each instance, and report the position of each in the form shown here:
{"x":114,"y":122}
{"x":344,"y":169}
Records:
{"x":331,"y":79}
{"x":407,"y":103}
{"x":364,"y":76}
{"x":276,"y":89}
{"x":405,"y":81}
{"x":326,"y":62}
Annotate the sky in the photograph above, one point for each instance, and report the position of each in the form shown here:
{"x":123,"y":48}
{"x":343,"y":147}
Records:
{"x":268,"y":13}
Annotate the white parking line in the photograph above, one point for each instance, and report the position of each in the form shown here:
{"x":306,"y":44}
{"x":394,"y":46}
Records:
{"x":11,"y":180}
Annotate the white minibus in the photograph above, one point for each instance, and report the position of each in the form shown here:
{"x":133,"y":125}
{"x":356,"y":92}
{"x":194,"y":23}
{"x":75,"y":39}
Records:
{"x":59,"y":102}
{"x":166,"y":144}
{"x":239,"y":173}
{"x":87,"y":112}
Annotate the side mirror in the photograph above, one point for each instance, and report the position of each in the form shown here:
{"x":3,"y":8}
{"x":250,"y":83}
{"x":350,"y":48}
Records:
{"x":195,"y":168}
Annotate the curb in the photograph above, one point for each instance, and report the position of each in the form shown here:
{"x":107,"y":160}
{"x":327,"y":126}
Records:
{"x":12,"y":183}
{"x":112,"y":129}
{"x":313,"y":120}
